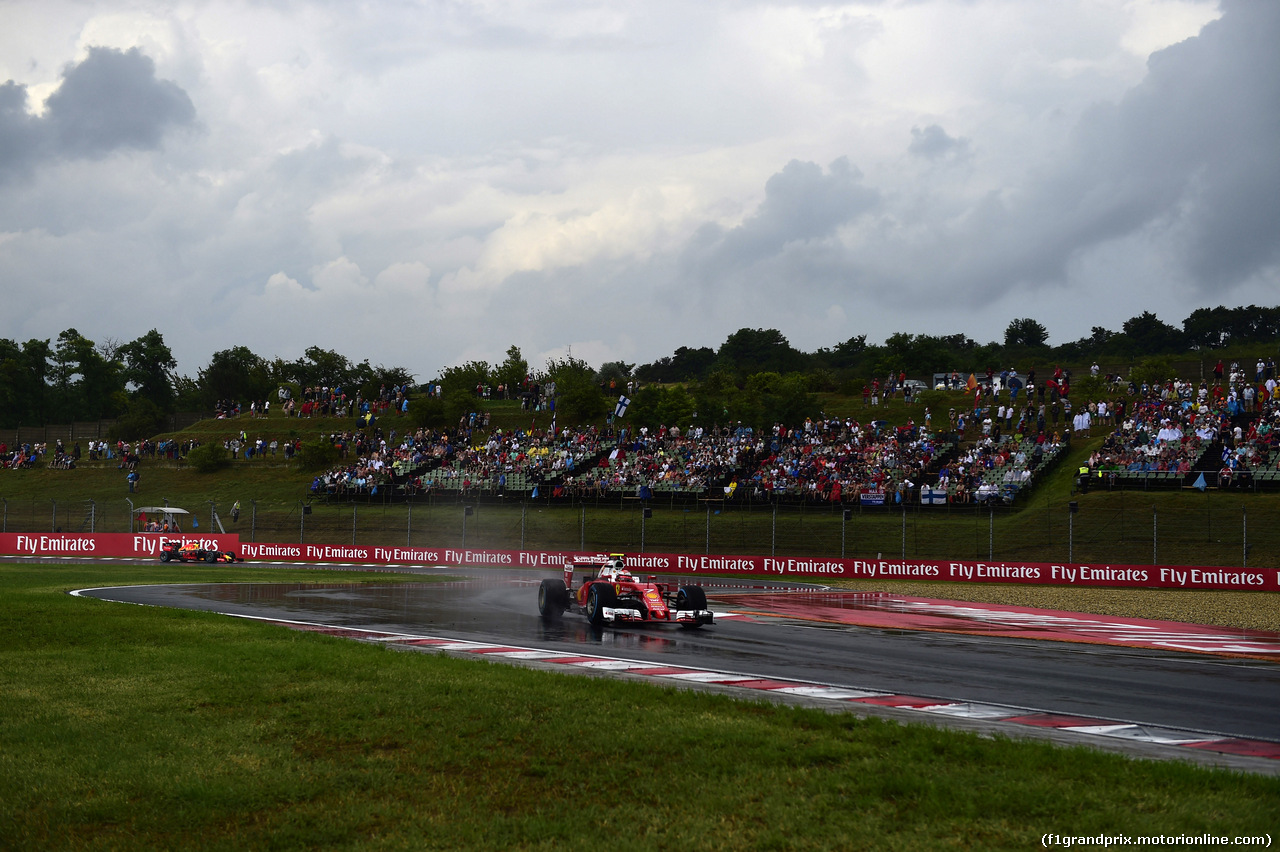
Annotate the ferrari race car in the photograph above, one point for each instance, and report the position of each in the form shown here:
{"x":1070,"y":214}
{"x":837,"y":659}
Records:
{"x":193,"y":552}
{"x":610,"y":594}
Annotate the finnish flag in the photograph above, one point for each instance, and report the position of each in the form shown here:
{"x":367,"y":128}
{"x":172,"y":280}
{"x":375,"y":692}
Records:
{"x":621,"y":408}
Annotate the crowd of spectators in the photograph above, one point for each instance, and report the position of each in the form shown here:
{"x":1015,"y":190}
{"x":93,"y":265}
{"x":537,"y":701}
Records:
{"x":22,"y":456}
{"x":978,"y":452}
{"x":666,"y":459}
{"x":836,"y":460}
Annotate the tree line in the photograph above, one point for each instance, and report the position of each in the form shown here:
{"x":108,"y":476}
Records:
{"x":755,"y":376}
{"x":135,"y":383}
{"x":919,"y":355}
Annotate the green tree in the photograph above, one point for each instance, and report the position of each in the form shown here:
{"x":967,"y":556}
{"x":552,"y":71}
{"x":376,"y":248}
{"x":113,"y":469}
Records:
{"x":1215,"y":328}
{"x":755,"y":350}
{"x":84,"y":382}
{"x":685,"y":365}
{"x":655,"y":406}
{"x":459,"y":388}
{"x":370,"y":380}
{"x":849,"y":353}
{"x":1153,"y":370}
{"x":773,"y":398}
{"x":578,"y":396}
{"x":320,"y":368}
{"x":719,"y":400}
{"x":208,"y":458}
{"x":618,"y":372}
{"x":24,"y":393}
{"x":235,"y":374}
{"x":513,"y":371}
{"x":149,"y":369}
{"x":1146,"y":334}
{"x":428,"y":411}
{"x":319,"y":454}
{"x":142,"y":419}
{"x":1025,"y":332}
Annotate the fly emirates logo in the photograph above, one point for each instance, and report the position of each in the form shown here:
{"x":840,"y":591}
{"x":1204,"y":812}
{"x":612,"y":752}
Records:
{"x":41,"y":544}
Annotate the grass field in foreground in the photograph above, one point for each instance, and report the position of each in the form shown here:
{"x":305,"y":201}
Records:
{"x":132,"y":727}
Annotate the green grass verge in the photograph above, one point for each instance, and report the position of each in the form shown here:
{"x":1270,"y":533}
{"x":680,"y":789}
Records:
{"x":134,"y":727}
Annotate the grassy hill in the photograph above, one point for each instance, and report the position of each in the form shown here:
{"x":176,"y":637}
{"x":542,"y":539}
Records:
{"x":1120,"y":527}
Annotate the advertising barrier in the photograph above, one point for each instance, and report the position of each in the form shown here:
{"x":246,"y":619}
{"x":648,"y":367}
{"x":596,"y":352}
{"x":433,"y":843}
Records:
{"x":147,"y":546}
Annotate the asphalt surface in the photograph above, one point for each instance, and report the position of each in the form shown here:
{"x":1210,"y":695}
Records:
{"x":1170,"y":689}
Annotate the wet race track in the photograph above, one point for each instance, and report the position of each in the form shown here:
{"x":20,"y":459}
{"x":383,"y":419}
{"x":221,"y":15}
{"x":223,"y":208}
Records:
{"x":784,"y":632}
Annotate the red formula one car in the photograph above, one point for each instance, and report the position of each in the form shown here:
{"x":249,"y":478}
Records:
{"x":172,"y":551}
{"x":610,"y":594}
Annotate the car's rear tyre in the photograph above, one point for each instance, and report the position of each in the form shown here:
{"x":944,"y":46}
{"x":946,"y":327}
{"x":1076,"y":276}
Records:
{"x":599,"y":596}
{"x":553,"y":598}
{"x":165,"y":556}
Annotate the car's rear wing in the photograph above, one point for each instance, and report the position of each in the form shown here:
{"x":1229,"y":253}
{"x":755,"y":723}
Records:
{"x":590,"y":564}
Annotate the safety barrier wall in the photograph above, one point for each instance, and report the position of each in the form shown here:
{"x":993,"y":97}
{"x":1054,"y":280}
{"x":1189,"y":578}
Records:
{"x":147,"y":545}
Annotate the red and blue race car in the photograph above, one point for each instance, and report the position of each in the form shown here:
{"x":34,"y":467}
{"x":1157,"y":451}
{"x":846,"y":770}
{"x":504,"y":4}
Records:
{"x":611,"y":594}
{"x":176,"y":551}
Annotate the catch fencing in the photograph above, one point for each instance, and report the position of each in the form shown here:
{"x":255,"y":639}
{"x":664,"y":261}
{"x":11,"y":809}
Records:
{"x":1214,"y":530}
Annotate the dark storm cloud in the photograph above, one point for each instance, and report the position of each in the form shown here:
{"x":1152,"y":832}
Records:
{"x":933,"y":143}
{"x":111,"y":100}
{"x":801,"y":205}
{"x":1187,"y":157}
{"x":19,"y":132}
{"x":1190,"y":152}
{"x":1229,"y":80}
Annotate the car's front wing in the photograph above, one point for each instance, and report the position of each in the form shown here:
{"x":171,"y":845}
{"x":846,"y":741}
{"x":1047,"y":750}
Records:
{"x":614,"y":615}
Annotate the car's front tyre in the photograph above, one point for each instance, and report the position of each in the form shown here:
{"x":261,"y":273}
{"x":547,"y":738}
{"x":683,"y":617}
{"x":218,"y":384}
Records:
{"x":599,"y":596}
{"x":691,"y":598}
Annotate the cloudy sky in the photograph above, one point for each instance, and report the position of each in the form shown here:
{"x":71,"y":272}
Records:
{"x":424,"y":183}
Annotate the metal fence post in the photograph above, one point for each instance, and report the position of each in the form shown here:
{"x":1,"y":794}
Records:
{"x":773,"y":544}
{"x":844,"y":522}
{"x":1155,"y":536}
{"x":1244,"y":537}
{"x":253,"y":519}
{"x":991,"y":534}
{"x":582,"y":530}
{"x":708,"y":528}
{"x":54,"y":527}
{"x":354,"y":511}
{"x":408,"y":524}
{"x":1073,"y":506}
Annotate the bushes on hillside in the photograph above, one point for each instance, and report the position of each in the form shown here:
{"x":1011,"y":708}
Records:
{"x":318,"y":454}
{"x":208,"y":458}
